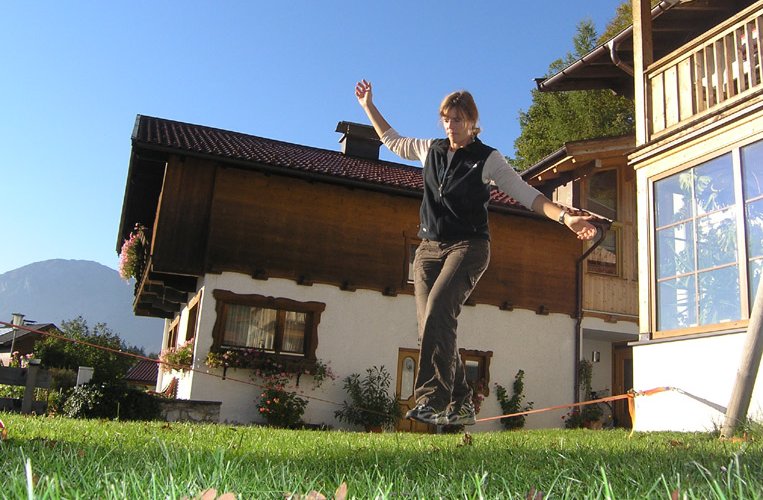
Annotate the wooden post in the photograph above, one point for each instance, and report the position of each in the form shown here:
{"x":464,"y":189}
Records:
{"x":748,"y":369}
{"x":31,"y":379}
{"x":643,"y":56}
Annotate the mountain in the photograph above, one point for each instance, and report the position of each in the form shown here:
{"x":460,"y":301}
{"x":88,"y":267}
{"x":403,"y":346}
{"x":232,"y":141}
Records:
{"x":56,"y":290}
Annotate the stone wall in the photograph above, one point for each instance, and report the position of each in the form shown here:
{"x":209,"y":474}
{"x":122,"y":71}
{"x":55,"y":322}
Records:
{"x":186,"y":410}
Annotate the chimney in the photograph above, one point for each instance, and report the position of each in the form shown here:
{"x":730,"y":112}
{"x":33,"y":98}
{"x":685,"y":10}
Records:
{"x":359,"y":140}
{"x":17,"y":319}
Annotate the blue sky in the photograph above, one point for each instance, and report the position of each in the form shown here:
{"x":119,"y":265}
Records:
{"x":75,"y":75}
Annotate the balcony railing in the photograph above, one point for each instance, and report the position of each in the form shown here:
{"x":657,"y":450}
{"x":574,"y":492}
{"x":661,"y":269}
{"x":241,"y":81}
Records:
{"x":708,"y":74}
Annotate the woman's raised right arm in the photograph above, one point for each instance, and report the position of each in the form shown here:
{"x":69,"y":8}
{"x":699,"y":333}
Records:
{"x":365,"y":98}
{"x":405,"y":147}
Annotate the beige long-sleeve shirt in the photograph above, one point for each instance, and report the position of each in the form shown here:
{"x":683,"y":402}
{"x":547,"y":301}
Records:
{"x":497,"y":171}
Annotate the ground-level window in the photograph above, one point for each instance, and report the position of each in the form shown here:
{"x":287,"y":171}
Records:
{"x":477,"y":368}
{"x":708,"y":230}
{"x":274,"y":325}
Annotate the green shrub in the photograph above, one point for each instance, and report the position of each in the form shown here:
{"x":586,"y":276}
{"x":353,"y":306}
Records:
{"x":513,"y":404}
{"x":370,"y":403}
{"x":110,"y":400}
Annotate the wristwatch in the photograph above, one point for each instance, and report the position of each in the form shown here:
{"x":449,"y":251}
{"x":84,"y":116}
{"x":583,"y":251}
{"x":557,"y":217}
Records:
{"x":561,"y":217}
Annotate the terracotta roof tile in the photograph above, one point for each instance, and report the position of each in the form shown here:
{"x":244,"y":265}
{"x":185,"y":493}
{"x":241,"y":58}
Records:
{"x":144,"y":371}
{"x":204,"y":141}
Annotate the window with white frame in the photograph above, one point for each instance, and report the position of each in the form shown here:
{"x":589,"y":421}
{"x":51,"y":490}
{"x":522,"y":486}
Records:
{"x":708,"y":225}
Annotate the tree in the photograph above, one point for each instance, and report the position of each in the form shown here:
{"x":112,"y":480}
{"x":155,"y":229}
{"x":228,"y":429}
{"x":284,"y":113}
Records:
{"x":108,"y":365}
{"x":623,"y":18}
{"x":558,"y":117}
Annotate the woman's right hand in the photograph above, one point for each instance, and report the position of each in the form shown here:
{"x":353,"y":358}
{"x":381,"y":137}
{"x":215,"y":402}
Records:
{"x":363,"y":93}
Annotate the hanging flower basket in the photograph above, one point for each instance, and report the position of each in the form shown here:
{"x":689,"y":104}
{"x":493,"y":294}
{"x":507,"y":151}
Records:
{"x":131,"y":253}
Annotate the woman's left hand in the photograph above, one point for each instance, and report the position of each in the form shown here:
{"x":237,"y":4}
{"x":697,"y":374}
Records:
{"x":580,"y":226}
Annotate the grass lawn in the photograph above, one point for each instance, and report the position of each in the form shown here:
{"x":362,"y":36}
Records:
{"x":65,"y":458}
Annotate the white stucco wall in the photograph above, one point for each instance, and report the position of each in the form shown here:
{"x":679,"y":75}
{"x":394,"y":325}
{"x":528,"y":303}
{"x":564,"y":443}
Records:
{"x":364,"y":328}
{"x":704,"y":367}
{"x":601,"y":371}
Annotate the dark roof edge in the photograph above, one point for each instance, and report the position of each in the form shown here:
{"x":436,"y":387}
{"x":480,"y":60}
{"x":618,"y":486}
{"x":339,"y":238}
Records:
{"x":609,"y":47}
{"x":330,"y":179}
{"x":543,"y":163}
{"x":291,"y":172}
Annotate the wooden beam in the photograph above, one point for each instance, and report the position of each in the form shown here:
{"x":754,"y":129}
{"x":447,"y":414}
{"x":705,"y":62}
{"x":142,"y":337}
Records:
{"x":186,"y":284}
{"x":166,"y":293}
{"x":736,"y":413}
{"x":643,"y":56}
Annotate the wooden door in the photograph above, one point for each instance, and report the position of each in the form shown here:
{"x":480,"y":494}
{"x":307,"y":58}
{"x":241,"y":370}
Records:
{"x":622,"y":381}
{"x":407,"y":368}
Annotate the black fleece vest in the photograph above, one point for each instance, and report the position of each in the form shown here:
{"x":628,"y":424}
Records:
{"x":455,"y":198}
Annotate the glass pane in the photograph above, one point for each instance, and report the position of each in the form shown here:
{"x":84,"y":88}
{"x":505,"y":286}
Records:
{"x":294,"y":332}
{"x":675,"y":250}
{"x":754,"y":223}
{"x":262,"y":330}
{"x":752,"y":170}
{"x":716,"y":239}
{"x":247,"y":326}
{"x":714,"y":185}
{"x":673,"y":199}
{"x":603,"y":260}
{"x":755,"y":269}
{"x":602,"y":194}
{"x":472,"y":369}
{"x":677,"y":304}
{"x":407,"y":378}
{"x":719,"y":296}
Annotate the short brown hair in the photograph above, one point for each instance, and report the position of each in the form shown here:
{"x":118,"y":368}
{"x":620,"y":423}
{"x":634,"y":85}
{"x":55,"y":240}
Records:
{"x":462,"y":102}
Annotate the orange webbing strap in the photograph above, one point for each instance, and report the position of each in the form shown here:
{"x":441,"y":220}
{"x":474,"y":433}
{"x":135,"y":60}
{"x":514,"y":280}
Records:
{"x":557,"y":407}
{"x":630,"y":396}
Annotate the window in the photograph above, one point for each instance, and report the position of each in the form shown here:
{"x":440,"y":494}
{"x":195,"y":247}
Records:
{"x":411,"y":244}
{"x":601,"y":198}
{"x":752,"y":179}
{"x":275,"y":325}
{"x":193,"y":316}
{"x":172,"y":334}
{"x":477,"y":368}
{"x":704,"y":274}
{"x":604,"y":259}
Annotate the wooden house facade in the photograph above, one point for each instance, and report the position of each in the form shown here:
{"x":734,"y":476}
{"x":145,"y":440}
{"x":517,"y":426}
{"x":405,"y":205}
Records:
{"x":304,"y":254}
{"x":694,"y":71}
{"x":595,"y":175}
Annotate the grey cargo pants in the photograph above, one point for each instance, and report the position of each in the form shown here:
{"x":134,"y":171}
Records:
{"x":445,"y":273}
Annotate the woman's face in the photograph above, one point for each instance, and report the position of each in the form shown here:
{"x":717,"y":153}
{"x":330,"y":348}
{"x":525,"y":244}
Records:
{"x":457,"y":128}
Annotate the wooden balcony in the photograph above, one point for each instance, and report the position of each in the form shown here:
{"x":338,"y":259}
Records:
{"x":706,"y":77}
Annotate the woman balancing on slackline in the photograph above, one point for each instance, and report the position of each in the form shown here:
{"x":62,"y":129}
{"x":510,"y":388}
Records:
{"x":455,"y":242}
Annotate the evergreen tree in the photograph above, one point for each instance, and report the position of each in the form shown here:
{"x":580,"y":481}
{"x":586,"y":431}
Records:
{"x":558,"y":117}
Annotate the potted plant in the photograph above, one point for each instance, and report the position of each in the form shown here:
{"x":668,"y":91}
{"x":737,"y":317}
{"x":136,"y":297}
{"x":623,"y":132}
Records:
{"x":370,"y":404}
{"x":177,"y":358}
{"x":589,"y":415}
